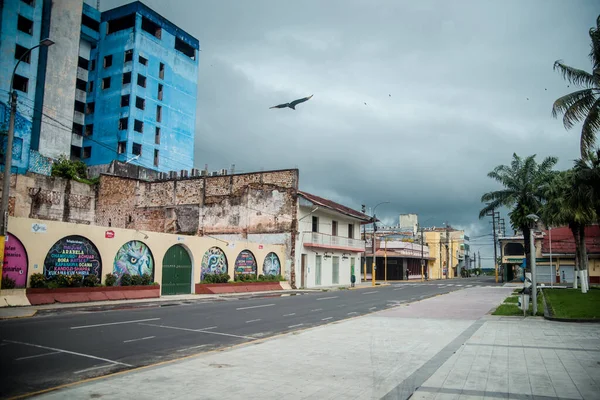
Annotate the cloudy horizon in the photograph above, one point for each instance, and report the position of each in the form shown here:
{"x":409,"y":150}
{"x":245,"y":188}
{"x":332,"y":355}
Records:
{"x":414,"y":102}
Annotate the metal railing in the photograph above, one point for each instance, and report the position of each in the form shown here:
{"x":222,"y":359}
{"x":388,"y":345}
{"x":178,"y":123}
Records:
{"x":330,"y":240}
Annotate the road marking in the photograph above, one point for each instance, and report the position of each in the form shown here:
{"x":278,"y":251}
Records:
{"x":91,"y":369}
{"x":399,"y":288}
{"x":370,"y":292}
{"x":342,"y":305}
{"x":289,"y":315}
{"x":135,"y":340}
{"x":327,"y":298}
{"x":316,"y":309}
{"x":325,"y":319}
{"x":352,"y":313}
{"x":412,"y":298}
{"x":421,"y":296}
{"x":39,"y":355}
{"x":262,"y":305}
{"x":458,"y":285}
{"x":114,"y":323}
{"x":207,"y":329}
{"x":253,"y":320}
{"x":199,"y":331}
{"x":469,"y":285}
{"x":295,"y":326}
{"x":372,"y":308}
{"x":68,"y":352}
{"x":193,"y":347}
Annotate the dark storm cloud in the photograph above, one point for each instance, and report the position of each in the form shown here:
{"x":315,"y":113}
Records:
{"x":459,"y":74}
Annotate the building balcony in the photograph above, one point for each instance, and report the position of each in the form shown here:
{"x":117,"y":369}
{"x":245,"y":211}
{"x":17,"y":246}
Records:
{"x":324,"y":241}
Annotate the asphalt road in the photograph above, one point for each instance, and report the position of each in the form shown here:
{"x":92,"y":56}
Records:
{"x":50,"y":350}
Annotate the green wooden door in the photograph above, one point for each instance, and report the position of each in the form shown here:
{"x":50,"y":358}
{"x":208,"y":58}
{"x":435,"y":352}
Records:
{"x":176,"y":272}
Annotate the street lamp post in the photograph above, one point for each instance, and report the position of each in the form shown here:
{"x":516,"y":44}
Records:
{"x":373,"y":265}
{"x":8,"y":153}
{"x":534,"y":218}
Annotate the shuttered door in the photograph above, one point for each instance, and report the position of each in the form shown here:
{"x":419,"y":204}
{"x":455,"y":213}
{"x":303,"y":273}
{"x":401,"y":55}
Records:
{"x":176,"y":272}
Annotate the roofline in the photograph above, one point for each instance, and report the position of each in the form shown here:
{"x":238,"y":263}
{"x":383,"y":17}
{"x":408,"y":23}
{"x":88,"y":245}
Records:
{"x":366,"y":220}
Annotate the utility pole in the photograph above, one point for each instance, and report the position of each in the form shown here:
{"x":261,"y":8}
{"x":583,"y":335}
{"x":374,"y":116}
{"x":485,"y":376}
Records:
{"x":447,"y":250}
{"x":373,"y":266}
{"x":492,"y":213}
{"x":364,"y":210}
{"x":474,"y":259}
{"x":479,"y":258}
{"x":422,"y":260}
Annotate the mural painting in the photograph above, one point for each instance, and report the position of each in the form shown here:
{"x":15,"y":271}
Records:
{"x":15,"y":261}
{"x":272,"y":266}
{"x":133,"y":258}
{"x":213,"y":262}
{"x":245,"y":263}
{"x":73,"y":255}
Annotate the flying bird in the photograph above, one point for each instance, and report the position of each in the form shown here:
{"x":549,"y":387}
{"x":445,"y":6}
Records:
{"x":293,"y":104}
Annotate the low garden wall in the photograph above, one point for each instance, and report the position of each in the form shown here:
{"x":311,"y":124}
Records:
{"x":38,"y":296}
{"x":241,"y":287}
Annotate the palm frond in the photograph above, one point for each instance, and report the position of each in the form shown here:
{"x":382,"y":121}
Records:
{"x":595,"y":51}
{"x":575,"y":76}
{"x":579,"y":110}
{"x":579,"y":99}
{"x":591,"y":126}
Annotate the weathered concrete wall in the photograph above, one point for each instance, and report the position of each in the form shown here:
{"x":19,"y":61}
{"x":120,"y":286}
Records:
{"x":50,"y":198}
{"x":61,"y":74}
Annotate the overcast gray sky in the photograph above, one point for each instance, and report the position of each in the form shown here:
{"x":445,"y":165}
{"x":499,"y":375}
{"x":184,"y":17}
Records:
{"x":452,"y":89}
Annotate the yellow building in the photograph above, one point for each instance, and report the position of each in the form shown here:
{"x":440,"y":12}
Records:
{"x":444,"y":245}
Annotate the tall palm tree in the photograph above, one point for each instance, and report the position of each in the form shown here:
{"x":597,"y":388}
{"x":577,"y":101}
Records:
{"x":568,"y":204}
{"x":525,"y":184}
{"x":587,"y":172}
{"x":582,"y":105}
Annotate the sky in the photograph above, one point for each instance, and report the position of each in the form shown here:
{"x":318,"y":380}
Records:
{"x":414,"y":101}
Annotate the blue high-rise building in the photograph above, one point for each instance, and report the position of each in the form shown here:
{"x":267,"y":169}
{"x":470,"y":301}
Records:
{"x":116,"y":86}
{"x":141,"y":92}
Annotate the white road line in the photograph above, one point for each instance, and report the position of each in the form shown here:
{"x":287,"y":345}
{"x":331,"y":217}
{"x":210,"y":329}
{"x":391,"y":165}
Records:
{"x":328,"y":298}
{"x":325,"y":319}
{"x":114,"y":323}
{"x":342,"y":305}
{"x":39,"y":355}
{"x":316,"y":309}
{"x":372,"y":308}
{"x":352,"y":313}
{"x":458,"y":285}
{"x":93,"y":368}
{"x":469,"y":285}
{"x":207,"y":329}
{"x":253,"y":320}
{"x":289,"y":315}
{"x":199,"y":331}
{"x":370,"y":292}
{"x":295,"y":326}
{"x":262,"y":305}
{"x":399,"y":288}
{"x":68,"y":352}
{"x":135,"y":340}
{"x":193,"y":347}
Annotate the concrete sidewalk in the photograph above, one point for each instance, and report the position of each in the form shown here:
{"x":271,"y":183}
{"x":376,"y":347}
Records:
{"x":441,"y":347}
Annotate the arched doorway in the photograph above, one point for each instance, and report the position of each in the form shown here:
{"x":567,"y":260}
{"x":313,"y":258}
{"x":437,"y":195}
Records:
{"x":176,"y":271}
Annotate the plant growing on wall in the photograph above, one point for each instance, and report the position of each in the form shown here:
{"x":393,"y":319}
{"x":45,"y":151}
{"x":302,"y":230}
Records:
{"x":69,"y":169}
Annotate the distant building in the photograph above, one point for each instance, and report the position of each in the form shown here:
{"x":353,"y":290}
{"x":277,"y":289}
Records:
{"x":115,"y":86}
{"x":409,"y":222}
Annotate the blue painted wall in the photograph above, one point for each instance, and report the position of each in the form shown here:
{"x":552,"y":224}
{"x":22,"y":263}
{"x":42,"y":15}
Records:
{"x":9,"y":37}
{"x":176,"y":147}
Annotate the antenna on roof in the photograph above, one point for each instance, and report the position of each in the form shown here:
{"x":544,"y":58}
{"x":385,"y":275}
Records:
{"x":98,"y":5}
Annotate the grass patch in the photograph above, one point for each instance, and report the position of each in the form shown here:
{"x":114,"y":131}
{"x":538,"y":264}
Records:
{"x":508,"y":309}
{"x":571,"y":303}
{"x":512,"y":299}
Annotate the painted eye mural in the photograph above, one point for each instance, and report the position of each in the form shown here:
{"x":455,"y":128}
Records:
{"x":15,"y":261}
{"x":73,"y":255}
{"x":272,"y":266}
{"x":245,"y":263}
{"x":133,"y":258}
{"x":213,"y":262}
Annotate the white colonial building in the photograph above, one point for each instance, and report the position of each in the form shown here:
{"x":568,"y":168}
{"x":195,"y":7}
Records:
{"x":328,"y":245}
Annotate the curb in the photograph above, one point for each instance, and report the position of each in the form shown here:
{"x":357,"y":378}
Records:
{"x":19,"y":316}
{"x":550,"y":317}
{"x":370,"y":287}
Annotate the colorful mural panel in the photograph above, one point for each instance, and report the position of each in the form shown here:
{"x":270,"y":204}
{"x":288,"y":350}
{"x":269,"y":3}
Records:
{"x":245,"y":263}
{"x":15,"y":261}
{"x":73,"y":255}
{"x":271,"y":266}
{"x":133,"y":258}
{"x":214,"y":261}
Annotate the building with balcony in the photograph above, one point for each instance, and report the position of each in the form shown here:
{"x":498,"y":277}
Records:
{"x":329,"y":248}
{"x":397,"y":258}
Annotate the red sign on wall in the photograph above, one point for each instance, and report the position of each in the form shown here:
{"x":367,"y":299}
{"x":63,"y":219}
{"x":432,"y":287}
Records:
{"x":109,"y":234}
{"x":260,"y":246}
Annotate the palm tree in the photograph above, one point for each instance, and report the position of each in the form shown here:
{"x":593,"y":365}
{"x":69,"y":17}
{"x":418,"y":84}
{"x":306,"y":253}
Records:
{"x":568,"y":204}
{"x":525,"y":184}
{"x":582,"y":105}
{"x":587,"y":171}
